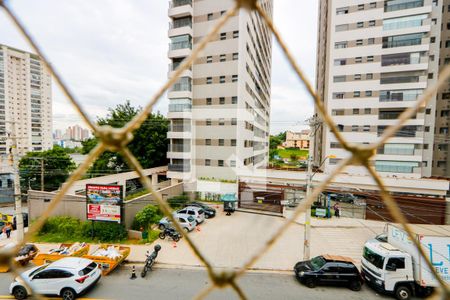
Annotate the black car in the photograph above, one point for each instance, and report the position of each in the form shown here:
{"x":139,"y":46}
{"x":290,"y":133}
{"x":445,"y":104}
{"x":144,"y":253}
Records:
{"x":329,"y":270}
{"x":209,"y":211}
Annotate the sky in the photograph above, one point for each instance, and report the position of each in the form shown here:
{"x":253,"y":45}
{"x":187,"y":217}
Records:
{"x":109,"y":51}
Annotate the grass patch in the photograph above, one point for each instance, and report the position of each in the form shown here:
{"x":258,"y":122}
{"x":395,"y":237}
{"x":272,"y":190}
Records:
{"x":286,"y":153}
{"x":135,"y":195}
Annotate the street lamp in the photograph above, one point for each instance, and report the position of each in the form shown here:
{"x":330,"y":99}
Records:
{"x":309,"y":177}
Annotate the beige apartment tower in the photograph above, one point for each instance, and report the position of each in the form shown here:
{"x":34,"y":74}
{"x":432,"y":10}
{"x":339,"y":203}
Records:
{"x":375,"y":58}
{"x":25,"y":102}
{"x":219,"y":109}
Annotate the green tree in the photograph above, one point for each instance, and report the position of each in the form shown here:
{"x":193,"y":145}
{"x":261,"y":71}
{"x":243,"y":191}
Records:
{"x":149,"y":144}
{"x":294,"y":157}
{"x":276,"y":140}
{"x":57,"y":167}
{"x":146,"y":217}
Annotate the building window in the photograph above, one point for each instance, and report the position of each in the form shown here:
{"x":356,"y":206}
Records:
{"x":371,"y":41}
{"x":432,"y":39}
{"x":369,"y":58}
{"x":220,"y":163}
{"x":208,"y":122}
{"x":223,"y":12}
{"x":355,"y":128}
{"x":366,"y":128}
{"x":234,"y":78}
{"x":342,"y":27}
{"x":234,"y":100}
{"x":428,"y":111}
{"x":222,"y":100}
{"x":360,"y":24}
{"x":233,"y":142}
{"x":209,"y":59}
{"x":223,"y":36}
{"x":223,"y":57}
{"x":221,"y":121}
{"x":210,"y":17}
{"x":369,"y":76}
{"x":431,"y":57}
{"x":372,"y":23}
{"x":342,"y":11}
{"x":367,"y":111}
{"x":357,"y":77}
{"x":235,"y":56}
{"x":208,"y":142}
{"x":208,"y":80}
{"x":221,"y":142}
{"x":340,"y":62}
{"x":208,"y":101}
{"x":232,"y":163}
{"x":356,"y":111}
{"x":233,"y":121}
{"x":207,"y":162}
{"x":339,"y":78}
{"x":359,"y":42}
{"x":340,"y":45}
{"x":338,"y":95}
{"x":373,"y":5}
{"x":358,"y":59}
{"x":356,"y":94}
{"x":430,"y":75}
{"x":360,"y":6}
{"x":222,"y":79}
{"x":368,"y":93}
{"x":235,"y":34}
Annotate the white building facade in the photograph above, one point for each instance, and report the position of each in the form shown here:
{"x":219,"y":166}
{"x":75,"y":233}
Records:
{"x":219,"y":109}
{"x":25,"y":102}
{"x":375,"y":58}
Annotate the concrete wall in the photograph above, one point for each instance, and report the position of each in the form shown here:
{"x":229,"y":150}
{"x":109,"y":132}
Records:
{"x":75,"y":206}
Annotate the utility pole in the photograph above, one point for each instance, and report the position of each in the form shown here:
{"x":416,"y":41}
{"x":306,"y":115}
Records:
{"x":307,"y":239}
{"x":17,"y":194}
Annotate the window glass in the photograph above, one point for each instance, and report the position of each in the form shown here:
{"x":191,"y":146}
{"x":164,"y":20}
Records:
{"x":397,"y":261}
{"x":374,"y":258}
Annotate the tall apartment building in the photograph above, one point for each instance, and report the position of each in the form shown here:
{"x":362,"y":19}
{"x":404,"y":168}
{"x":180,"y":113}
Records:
{"x":220,"y":108}
{"x":375,"y":58}
{"x":25,"y":101}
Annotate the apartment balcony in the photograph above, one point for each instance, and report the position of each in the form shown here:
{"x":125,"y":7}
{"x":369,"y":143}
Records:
{"x":174,"y":66}
{"x":180,"y":28}
{"x":180,"y":8}
{"x":179,"y":135}
{"x":404,"y":5}
{"x":179,"y":168}
{"x":177,"y":50}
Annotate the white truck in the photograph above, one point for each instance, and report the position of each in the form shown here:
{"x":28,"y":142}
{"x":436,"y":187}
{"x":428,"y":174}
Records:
{"x":393,"y":265}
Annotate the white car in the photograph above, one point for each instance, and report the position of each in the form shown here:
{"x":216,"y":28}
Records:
{"x":67,"y":278}
{"x":197,"y":212}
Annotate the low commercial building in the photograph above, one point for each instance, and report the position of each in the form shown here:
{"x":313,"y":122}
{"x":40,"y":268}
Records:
{"x":297,"y":139}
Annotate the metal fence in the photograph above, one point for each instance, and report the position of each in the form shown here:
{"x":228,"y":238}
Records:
{"x":117,"y":139}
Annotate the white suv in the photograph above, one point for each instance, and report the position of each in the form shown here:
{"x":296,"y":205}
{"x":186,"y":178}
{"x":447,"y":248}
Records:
{"x":197,"y":212}
{"x":67,"y":277}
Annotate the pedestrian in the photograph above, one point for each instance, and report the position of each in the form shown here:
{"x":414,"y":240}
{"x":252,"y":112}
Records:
{"x":8,"y":230}
{"x":336,"y":210}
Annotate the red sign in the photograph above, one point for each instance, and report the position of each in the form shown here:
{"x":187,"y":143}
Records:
{"x":104,"y":202}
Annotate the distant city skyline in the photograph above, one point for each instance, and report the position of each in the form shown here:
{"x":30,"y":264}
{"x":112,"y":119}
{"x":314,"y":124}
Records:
{"x":74,"y":133}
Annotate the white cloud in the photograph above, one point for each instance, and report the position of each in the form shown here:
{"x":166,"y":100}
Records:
{"x":110,"y":50}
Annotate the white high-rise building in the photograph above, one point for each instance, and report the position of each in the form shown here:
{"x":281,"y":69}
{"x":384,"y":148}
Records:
{"x":25,"y":101}
{"x":375,"y":58}
{"x":220,"y":108}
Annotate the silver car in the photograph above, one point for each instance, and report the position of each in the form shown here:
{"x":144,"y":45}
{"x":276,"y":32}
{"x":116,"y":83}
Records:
{"x":187,"y":222}
{"x":197,"y":212}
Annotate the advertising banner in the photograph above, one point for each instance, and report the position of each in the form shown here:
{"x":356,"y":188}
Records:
{"x":104,"y":202}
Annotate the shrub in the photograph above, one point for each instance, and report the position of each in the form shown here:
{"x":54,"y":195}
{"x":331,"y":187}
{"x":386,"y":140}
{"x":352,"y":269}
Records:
{"x":105,"y":231}
{"x":178,"y":201}
{"x":62,"y":225}
{"x":147,"y":216}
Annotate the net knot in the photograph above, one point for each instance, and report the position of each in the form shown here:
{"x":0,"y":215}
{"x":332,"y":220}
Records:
{"x":114,"y":139}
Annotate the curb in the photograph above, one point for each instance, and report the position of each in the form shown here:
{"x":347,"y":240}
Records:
{"x":129,"y":265}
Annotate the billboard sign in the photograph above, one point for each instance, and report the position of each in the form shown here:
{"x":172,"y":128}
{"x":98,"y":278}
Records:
{"x":104,"y":202}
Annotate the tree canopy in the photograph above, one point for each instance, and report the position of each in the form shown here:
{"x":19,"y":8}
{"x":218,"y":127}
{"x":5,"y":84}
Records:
{"x":149,"y":144}
{"x":57,"y":167}
{"x":276,"y":140}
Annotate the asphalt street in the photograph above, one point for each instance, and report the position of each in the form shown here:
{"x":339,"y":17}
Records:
{"x":186,"y":284}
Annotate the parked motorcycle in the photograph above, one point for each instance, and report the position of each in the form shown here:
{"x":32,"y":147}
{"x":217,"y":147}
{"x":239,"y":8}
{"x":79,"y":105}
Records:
{"x":150,"y":260}
{"x":170,"y":232}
